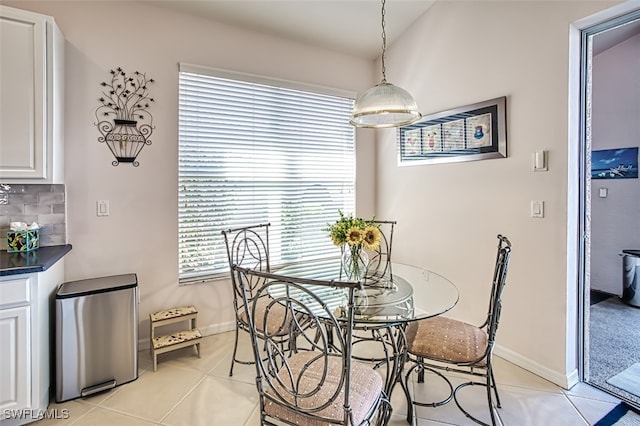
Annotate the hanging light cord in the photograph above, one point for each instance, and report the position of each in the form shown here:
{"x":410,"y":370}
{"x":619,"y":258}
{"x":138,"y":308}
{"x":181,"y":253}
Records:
{"x":384,"y":46}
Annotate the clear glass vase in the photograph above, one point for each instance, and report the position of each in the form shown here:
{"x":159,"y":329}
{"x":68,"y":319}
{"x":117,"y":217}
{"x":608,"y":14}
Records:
{"x":354,"y":263}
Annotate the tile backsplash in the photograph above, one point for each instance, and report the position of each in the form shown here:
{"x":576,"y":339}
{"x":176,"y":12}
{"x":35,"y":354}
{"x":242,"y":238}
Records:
{"x":44,"y":204}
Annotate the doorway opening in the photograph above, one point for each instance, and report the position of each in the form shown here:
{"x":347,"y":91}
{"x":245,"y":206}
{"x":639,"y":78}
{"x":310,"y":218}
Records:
{"x":610,"y":205}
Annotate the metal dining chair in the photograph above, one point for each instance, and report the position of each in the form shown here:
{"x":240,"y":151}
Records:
{"x":379,"y":267}
{"x":313,"y":382}
{"x":380,"y":258}
{"x":443,"y":344}
{"x":249,"y":247}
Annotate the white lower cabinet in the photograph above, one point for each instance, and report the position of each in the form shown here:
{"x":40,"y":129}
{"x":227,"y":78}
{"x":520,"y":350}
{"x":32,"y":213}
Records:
{"x":15,"y":335}
{"x":26,"y":332}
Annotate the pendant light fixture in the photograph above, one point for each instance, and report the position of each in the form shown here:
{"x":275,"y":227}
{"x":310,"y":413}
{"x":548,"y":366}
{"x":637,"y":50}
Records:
{"x":384,"y":105}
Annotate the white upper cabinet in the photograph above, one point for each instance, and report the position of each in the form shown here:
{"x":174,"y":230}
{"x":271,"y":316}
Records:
{"x":31,"y":98}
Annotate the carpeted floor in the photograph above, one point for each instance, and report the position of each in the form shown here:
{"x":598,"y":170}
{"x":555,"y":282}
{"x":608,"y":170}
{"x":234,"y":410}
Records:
{"x":614,"y":343}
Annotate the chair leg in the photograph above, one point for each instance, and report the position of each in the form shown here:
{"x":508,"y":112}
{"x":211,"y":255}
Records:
{"x":405,"y":388}
{"x":490,"y":400}
{"x":492,"y":389}
{"x":233,"y":356}
{"x":421,"y":371}
{"x":412,"y":404}
{"x":495,"y":387}
{"x":384,"y":412}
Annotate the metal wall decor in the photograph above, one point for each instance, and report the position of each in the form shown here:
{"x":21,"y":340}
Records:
{"x":123,"y":117}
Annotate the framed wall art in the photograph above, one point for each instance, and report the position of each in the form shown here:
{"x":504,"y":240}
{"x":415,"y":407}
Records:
{"x":620,"y":163}
{"x":472,"y":132}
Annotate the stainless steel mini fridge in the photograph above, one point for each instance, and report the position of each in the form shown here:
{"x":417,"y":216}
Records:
{"x":96,"y":335}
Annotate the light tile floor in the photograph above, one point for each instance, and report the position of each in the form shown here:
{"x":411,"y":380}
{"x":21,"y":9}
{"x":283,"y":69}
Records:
{"x":191,"y":391}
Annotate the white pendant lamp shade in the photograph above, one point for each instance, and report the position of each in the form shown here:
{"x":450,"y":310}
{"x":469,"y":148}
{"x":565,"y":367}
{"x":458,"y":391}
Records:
{"x":385,"y":105}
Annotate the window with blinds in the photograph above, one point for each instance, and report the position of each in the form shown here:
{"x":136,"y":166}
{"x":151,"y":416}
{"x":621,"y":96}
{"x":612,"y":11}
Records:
{"x":253,"y":151}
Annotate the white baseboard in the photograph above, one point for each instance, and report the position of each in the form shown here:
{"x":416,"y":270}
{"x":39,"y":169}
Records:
{"x":565,"y":381}
{"x":208,"y":330}
{"x":218,"y":328}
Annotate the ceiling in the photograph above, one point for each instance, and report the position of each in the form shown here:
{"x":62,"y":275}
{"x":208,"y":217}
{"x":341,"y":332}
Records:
{"x":614,"y":36}
{"x":349,"y":26}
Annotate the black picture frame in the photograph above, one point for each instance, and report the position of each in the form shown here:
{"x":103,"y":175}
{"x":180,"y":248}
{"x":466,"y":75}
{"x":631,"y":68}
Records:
{"x":469,"y":133}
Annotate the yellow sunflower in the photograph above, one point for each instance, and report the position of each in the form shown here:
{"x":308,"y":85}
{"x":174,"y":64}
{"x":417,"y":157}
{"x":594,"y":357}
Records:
{"x":371,"y":238}
{"x":354,"y":236}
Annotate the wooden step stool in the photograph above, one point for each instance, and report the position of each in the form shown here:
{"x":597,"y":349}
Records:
{"x":177,"y":340}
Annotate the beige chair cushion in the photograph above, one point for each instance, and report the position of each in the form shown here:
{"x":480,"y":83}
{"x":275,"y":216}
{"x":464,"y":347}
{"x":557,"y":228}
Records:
{"x":278,"y":323}
{"x":446,"y":339}
{"x":365,"y":390}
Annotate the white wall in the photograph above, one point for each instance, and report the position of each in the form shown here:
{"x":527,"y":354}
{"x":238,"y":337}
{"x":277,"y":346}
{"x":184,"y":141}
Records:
{"x":616,"y":108}
{"x":140,"y":235}
{"x":448,"y":215}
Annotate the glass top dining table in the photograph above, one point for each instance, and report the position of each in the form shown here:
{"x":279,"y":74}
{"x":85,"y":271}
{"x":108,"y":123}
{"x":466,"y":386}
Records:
{"x":386,"y":303}
{"x":402,"y":294}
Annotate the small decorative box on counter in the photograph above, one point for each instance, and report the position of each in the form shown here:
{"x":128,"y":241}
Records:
{"x":21,"y":241}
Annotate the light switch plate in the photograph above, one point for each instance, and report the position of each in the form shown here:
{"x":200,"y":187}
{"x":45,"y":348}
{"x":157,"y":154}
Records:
{"x":102,"y":207}
{"x":537,"y":209}
{"x":540,"y":161}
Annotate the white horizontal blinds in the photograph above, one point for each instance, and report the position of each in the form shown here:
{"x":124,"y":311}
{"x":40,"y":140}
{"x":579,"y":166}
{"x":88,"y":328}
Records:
{"x":253,"y":153}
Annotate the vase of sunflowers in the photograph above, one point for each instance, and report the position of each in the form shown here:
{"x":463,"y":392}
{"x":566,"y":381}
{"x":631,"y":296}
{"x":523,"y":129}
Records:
{"x":354,"y":263}
{"x":355,"y":236}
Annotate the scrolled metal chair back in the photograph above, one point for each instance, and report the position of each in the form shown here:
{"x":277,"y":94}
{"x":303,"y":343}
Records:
{"x":247,"y":247}
{"x":499,"y":281}
{"x":380,"y":258}
{"x":311,"y":378}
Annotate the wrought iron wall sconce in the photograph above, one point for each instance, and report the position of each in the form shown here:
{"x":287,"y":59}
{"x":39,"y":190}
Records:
{"x":126,"y":101}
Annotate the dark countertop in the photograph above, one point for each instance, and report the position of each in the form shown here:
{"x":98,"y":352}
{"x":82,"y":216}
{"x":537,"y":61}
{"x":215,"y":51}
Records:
{"x":38,"y":260}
